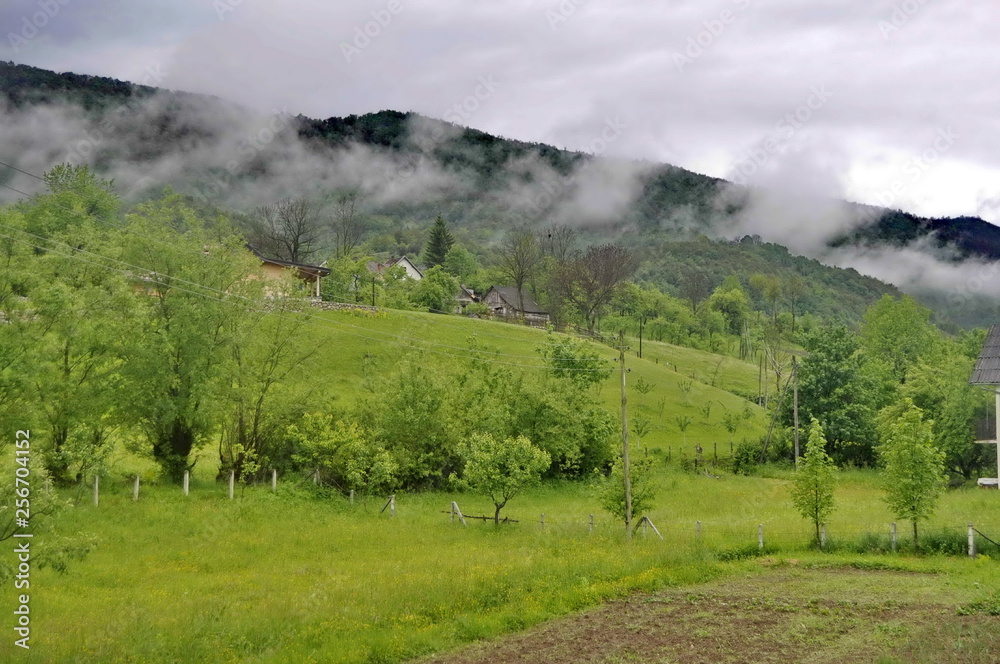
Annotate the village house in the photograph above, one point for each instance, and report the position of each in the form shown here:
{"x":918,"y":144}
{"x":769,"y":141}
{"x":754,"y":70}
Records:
{"x":504,"y":301}
{"x":986,"y":374}
{"x":310,"y":275}
{"x":412,"y":271}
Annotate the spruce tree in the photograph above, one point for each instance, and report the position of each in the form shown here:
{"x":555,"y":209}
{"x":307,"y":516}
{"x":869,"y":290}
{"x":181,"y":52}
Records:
{"x":438,"y":244}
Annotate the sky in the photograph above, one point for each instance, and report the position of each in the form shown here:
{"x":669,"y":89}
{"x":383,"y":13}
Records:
{"x":888,"y":103}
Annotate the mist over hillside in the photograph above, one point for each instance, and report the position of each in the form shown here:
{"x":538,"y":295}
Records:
{"x":408,"y":169}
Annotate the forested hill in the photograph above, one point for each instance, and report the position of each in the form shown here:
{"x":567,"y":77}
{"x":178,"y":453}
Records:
{"x":411,"y":169}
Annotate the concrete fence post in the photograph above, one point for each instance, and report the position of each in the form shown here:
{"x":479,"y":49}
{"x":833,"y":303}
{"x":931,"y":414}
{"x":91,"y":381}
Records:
{"x":135,"y":489}
{"x":187,"y":481}
{"x":893,"y":529}
{"x":97,"y":482}
{"x":760,"y":537}
{"x":972,"y":541}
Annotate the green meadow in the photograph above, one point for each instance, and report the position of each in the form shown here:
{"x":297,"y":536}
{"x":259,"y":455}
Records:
{"x":302,"y":575}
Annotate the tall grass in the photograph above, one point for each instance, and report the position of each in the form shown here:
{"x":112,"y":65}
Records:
{"x":293,"y":577}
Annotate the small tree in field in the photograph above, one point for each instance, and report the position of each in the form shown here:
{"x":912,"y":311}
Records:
{"x":812,"y":493}
{"x":611,"y":490}
{"x":914,"y":467}
{"x":501,"y":469}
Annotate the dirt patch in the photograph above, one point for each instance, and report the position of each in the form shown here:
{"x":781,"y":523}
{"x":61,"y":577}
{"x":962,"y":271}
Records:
{"x":781,"y":615}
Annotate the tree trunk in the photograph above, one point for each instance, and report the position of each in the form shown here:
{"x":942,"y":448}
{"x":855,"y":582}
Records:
{"x":916,"y":542}
{"x":496,"y":514}
{"x":172,"y":449}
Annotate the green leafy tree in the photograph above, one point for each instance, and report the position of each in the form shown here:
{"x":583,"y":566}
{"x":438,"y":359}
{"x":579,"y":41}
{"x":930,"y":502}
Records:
{"x":342,"y":452}
{"x":436,"y":291}
{"x":913,"y":475}
{"x":898,"y":331}
{"x":573,"y":360}
{"x":460,"y":263}
{"x":195,"y":282}
{"x":439,"y":243}
{"x":502,"y":469}
{"x":812,"y":491}
{"x":611,"y":489}
{"x":837,"y":388}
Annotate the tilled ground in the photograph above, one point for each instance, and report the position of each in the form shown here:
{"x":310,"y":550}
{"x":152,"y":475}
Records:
{"x":788,"y":614}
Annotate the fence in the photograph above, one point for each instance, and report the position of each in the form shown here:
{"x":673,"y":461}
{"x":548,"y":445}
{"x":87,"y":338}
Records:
{"x":729,"y":537}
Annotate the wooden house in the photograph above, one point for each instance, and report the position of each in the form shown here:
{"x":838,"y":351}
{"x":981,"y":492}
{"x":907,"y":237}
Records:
{"x":506,"y":302}
{"x":310,"y":275}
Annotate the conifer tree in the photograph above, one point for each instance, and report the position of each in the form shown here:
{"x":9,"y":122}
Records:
{"x":438,"y":244}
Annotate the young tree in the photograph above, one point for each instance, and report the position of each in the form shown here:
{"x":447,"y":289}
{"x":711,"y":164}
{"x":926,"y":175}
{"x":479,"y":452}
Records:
{"x":501,"y":469}
{"x":611,"y":489}
{"x":812,"y":492}
{"x":439,"y":242}
{"x":914,"y":467}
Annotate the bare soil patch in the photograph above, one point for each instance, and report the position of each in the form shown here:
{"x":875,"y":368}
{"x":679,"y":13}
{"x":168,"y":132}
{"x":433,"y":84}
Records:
{"x":787,"y":614}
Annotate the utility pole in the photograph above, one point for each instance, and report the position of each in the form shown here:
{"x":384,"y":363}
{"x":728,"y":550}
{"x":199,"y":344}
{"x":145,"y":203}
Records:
{"x":373,"y":289}
{"x":626,"y":471}
{"x":795,"y":405}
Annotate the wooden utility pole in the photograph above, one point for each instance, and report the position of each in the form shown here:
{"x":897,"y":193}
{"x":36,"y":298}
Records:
{"x":795,"y":406}
{"x":626,"y":471}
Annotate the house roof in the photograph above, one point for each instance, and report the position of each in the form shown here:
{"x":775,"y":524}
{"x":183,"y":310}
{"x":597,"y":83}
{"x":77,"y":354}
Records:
{"x":987,"y":369}
{"x":303,"y":267}
{"x":509,"y":295}
{"x":375,"y":266}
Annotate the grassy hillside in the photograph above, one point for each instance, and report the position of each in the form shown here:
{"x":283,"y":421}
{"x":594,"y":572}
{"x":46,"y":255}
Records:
{"x":350,"y":341}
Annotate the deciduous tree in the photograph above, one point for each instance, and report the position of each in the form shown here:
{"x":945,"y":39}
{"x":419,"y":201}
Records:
{"x":815,"y":479}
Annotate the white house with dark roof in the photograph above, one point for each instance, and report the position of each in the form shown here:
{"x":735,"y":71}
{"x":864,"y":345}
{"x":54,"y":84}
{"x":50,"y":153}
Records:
{"x":986,"y":374}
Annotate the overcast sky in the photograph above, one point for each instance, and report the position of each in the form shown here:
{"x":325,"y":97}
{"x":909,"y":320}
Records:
{"x":890,"y":103}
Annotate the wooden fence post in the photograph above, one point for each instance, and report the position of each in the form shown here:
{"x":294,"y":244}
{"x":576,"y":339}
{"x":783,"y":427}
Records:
{"x":187,"y":480}
{"x":455,"y":510}
{"x":893,"y":536}
{"x":591,"y":523}
{"x":972,"y":541}
{"x":274,"y":479}
{"x":760,"y":537}
{"x":697,"y":530}
{"x":135,"y":489}
{"x":232,"y":483}
{"x":542,"y":520}
{"x":822,"y":536}
{"x":97,"y":481}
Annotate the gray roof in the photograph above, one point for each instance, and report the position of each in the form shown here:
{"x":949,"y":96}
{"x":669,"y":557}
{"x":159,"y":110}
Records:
{"x":509,"y":295}
{"x":987,"y":370}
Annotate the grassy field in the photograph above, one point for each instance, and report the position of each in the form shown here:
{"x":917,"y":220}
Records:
{"x":349,"y":340}
{"x":297,"y":578}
